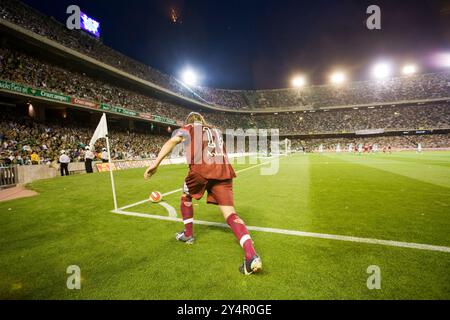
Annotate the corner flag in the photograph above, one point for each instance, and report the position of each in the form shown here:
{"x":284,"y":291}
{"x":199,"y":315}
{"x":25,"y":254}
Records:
{"x":102,"y":132}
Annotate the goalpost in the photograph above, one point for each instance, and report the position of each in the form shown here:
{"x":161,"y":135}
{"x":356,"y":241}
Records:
{"x":284,"y":148}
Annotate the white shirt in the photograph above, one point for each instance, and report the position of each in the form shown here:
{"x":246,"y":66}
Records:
{"x":105,"y":155}
{"x":64,"y":159}
{"x":89,"y":155}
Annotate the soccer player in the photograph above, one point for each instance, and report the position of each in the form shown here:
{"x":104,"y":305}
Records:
{"x":375,"y":148}
{"x":419,"y":148}
{"x":211,"y":172}
{"x":360,"y":149}
{"x":321,"y":148}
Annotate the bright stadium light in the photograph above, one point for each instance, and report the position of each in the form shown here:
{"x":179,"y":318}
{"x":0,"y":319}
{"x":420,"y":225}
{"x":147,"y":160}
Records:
{"x":444,"y":60}
{"x":338,"y":77}
{"x":381,"y":70}
{"x":298,"y":81}
{"x":189,"y":77}
{"x":409,"y":69}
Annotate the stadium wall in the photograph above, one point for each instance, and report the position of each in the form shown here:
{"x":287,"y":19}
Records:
{"x":30,"y":173}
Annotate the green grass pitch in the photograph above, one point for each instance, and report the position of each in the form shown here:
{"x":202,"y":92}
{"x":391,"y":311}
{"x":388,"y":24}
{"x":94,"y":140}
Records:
{"x":403,"y":197}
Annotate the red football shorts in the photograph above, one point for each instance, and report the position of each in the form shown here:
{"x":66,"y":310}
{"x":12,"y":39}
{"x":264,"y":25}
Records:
{"x":220,"y":192}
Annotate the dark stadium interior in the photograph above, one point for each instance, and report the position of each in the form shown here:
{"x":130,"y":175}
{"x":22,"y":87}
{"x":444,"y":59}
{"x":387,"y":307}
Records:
{"x":256,"y":44}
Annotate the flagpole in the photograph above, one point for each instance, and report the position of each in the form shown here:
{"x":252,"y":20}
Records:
{"x":111,"y":173}
{"x":102,"y":132}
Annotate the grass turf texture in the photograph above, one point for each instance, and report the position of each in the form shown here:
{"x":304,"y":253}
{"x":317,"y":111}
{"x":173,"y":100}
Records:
{"x":402,"y":197}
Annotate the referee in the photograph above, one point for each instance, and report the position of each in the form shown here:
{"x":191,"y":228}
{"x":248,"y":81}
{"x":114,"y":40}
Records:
{"x":64,"y":161}
{"x":88,"y":158}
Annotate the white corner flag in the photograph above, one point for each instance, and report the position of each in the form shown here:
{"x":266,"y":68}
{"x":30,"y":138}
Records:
{"x":102,"y":132}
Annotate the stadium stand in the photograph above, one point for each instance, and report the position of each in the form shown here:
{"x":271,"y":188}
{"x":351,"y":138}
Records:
{"x":23,"y":68}
{"x":415,"y":103}
{"x":395,"y":90}
{"x":435,"y":141}
{"x":24,"y":16}
{"x":20,"y":138}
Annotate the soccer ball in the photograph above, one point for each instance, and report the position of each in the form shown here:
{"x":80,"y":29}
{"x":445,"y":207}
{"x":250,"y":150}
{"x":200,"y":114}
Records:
{"x":155,"y":196}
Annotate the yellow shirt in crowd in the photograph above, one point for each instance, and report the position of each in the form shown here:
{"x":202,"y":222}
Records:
{"x":35,"y":157}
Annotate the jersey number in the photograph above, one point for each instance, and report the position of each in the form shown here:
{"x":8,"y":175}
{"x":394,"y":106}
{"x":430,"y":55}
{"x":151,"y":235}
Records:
{"x":215,"y":142}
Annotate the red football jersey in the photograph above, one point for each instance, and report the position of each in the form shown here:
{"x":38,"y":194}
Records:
{"x":205,"y":152}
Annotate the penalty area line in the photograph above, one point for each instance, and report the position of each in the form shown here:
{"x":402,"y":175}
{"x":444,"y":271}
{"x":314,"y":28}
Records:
{"x":390,"y":243}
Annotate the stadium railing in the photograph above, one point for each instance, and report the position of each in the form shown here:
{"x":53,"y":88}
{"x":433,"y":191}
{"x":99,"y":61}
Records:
{"x":8,"y":176}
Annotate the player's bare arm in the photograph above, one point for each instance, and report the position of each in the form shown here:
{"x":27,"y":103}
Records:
{"x":165,"y":151}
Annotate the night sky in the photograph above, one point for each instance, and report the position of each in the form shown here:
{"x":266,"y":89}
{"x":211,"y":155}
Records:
{"x":260,"y":44}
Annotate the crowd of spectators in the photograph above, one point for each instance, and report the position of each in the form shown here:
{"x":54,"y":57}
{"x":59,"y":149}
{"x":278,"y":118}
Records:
{"x":415,"y":87}
{"x":26,"y":141}
{"x":415,"y":116}
{"x":432,"y":141}
{"x":29,"y":18}
{"x":408,"y":88}
{"x":24,"y":68}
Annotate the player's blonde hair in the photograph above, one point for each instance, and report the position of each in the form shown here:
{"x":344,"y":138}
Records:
{"x":194,"y":117}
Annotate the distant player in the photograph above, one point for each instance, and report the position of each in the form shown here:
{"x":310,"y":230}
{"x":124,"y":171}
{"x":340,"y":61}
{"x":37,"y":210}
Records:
{"x":338,"y":148}
{"x":366,"y":148}
{"x":321,"y":149}
{"x":375,"y":148}
{"x":211,"y":172}
{"x":360,"y":149}
{"x":419,"y":148}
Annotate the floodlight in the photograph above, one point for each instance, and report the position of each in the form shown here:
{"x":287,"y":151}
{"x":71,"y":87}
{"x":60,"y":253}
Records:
{"x":298,"y":81}
{"x":409,"y":69}
{"x":338,"y":77}
{"x":381,"y":70}
{"x":189,"y":77}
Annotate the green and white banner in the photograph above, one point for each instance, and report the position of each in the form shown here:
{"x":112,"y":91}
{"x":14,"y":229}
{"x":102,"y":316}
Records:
{"x":21,"y":89}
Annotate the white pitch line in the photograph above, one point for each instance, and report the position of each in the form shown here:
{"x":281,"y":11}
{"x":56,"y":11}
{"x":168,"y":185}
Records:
{"x":180,"y":189}
{"x":170,"y":210}
{"x":390,"y":243}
